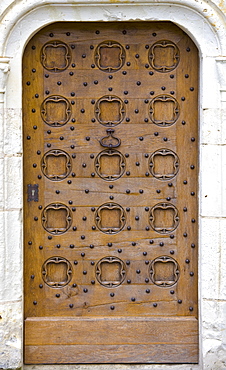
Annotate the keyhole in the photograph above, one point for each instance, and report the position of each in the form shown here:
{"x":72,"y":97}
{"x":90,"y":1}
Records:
{"x":32,"y":192}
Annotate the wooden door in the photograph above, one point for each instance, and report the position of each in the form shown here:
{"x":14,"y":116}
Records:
{"x":110,"y":194}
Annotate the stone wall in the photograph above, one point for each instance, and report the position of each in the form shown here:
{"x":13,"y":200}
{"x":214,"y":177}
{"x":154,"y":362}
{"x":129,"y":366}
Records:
{"x":205,"y":23}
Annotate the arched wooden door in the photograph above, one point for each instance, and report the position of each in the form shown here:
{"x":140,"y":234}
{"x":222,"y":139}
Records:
{"x":110,"y":194}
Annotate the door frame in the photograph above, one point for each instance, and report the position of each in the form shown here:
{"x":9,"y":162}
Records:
{"x":22,"y":24}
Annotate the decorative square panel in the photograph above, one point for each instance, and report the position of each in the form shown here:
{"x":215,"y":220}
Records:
{"x":57,"y":272}
{"x":55,"y":56}
{"x":56,"y":218}
{"x":110,"y":165}
{"x":164,"y":271}
{"x":110,"y":110}
{"x":56,"y":165}
{"x":110,"y":272}
{"x":164,"y":164}
{"x":110,"y":56}
{"x":164,"y":110}
{"x":110,"y":218}
{"x":164,"y":56}
{"x":164,"y":218}
{"x":55,"y":110}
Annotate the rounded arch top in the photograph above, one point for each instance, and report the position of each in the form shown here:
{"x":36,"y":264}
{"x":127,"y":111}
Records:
{"x":201,"y":20}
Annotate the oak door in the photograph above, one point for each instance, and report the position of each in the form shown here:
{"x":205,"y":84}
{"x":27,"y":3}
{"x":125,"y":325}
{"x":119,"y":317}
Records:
{"x":110,"y":194}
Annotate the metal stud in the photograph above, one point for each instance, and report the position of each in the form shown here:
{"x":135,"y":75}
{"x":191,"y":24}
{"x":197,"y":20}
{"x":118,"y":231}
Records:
{"x":179,"y":301}
{"x":171,"y":236}
{"x":138,"y":271}
{"x":129,"y":228}
{"x":161,"y":244}
{"x":172,"y":292}
{"x":151,"y":241}
{"x":138,"y":83}
{"x":155,"y":305}
{"x":147,"y":291}
{"x":112,"y":294}
{"x":133,"y":244}
{"x":133,"y":299}
{"x":193,"y":245}
{"x":185,"y":209}
{"x":40,"y":247}
{"x":191,"y":273}
{"x":112,"y":307}
{"x":146,"y":280}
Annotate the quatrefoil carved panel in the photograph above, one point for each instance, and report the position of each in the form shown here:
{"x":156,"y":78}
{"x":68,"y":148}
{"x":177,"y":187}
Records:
{"x":164,"y":164}
{"x":56,"y":218}
{"x":110,"y":56}
{"x":164,"y":218}
{"x":164,"y":56}
{"x":56,"y":272}
{"x":56,"y":165}
{"x":164,"y":110}
{"x":110,"y":218}
{"x":110,"y":165}
{"x":110,"y":110}
{"x":55,"y":56}
{"x":56,"y":110}
{"x":110,"y":272}
{"x":164,"y":271}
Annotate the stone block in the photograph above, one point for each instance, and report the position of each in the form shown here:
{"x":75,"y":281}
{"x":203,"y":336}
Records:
{"x":209,"y":257}
{"x":13,"y":185}
{"x":10,"y":335}
{"x":210,"y":181}
{"x":13,"y":131}
{"x":13,"y":272}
